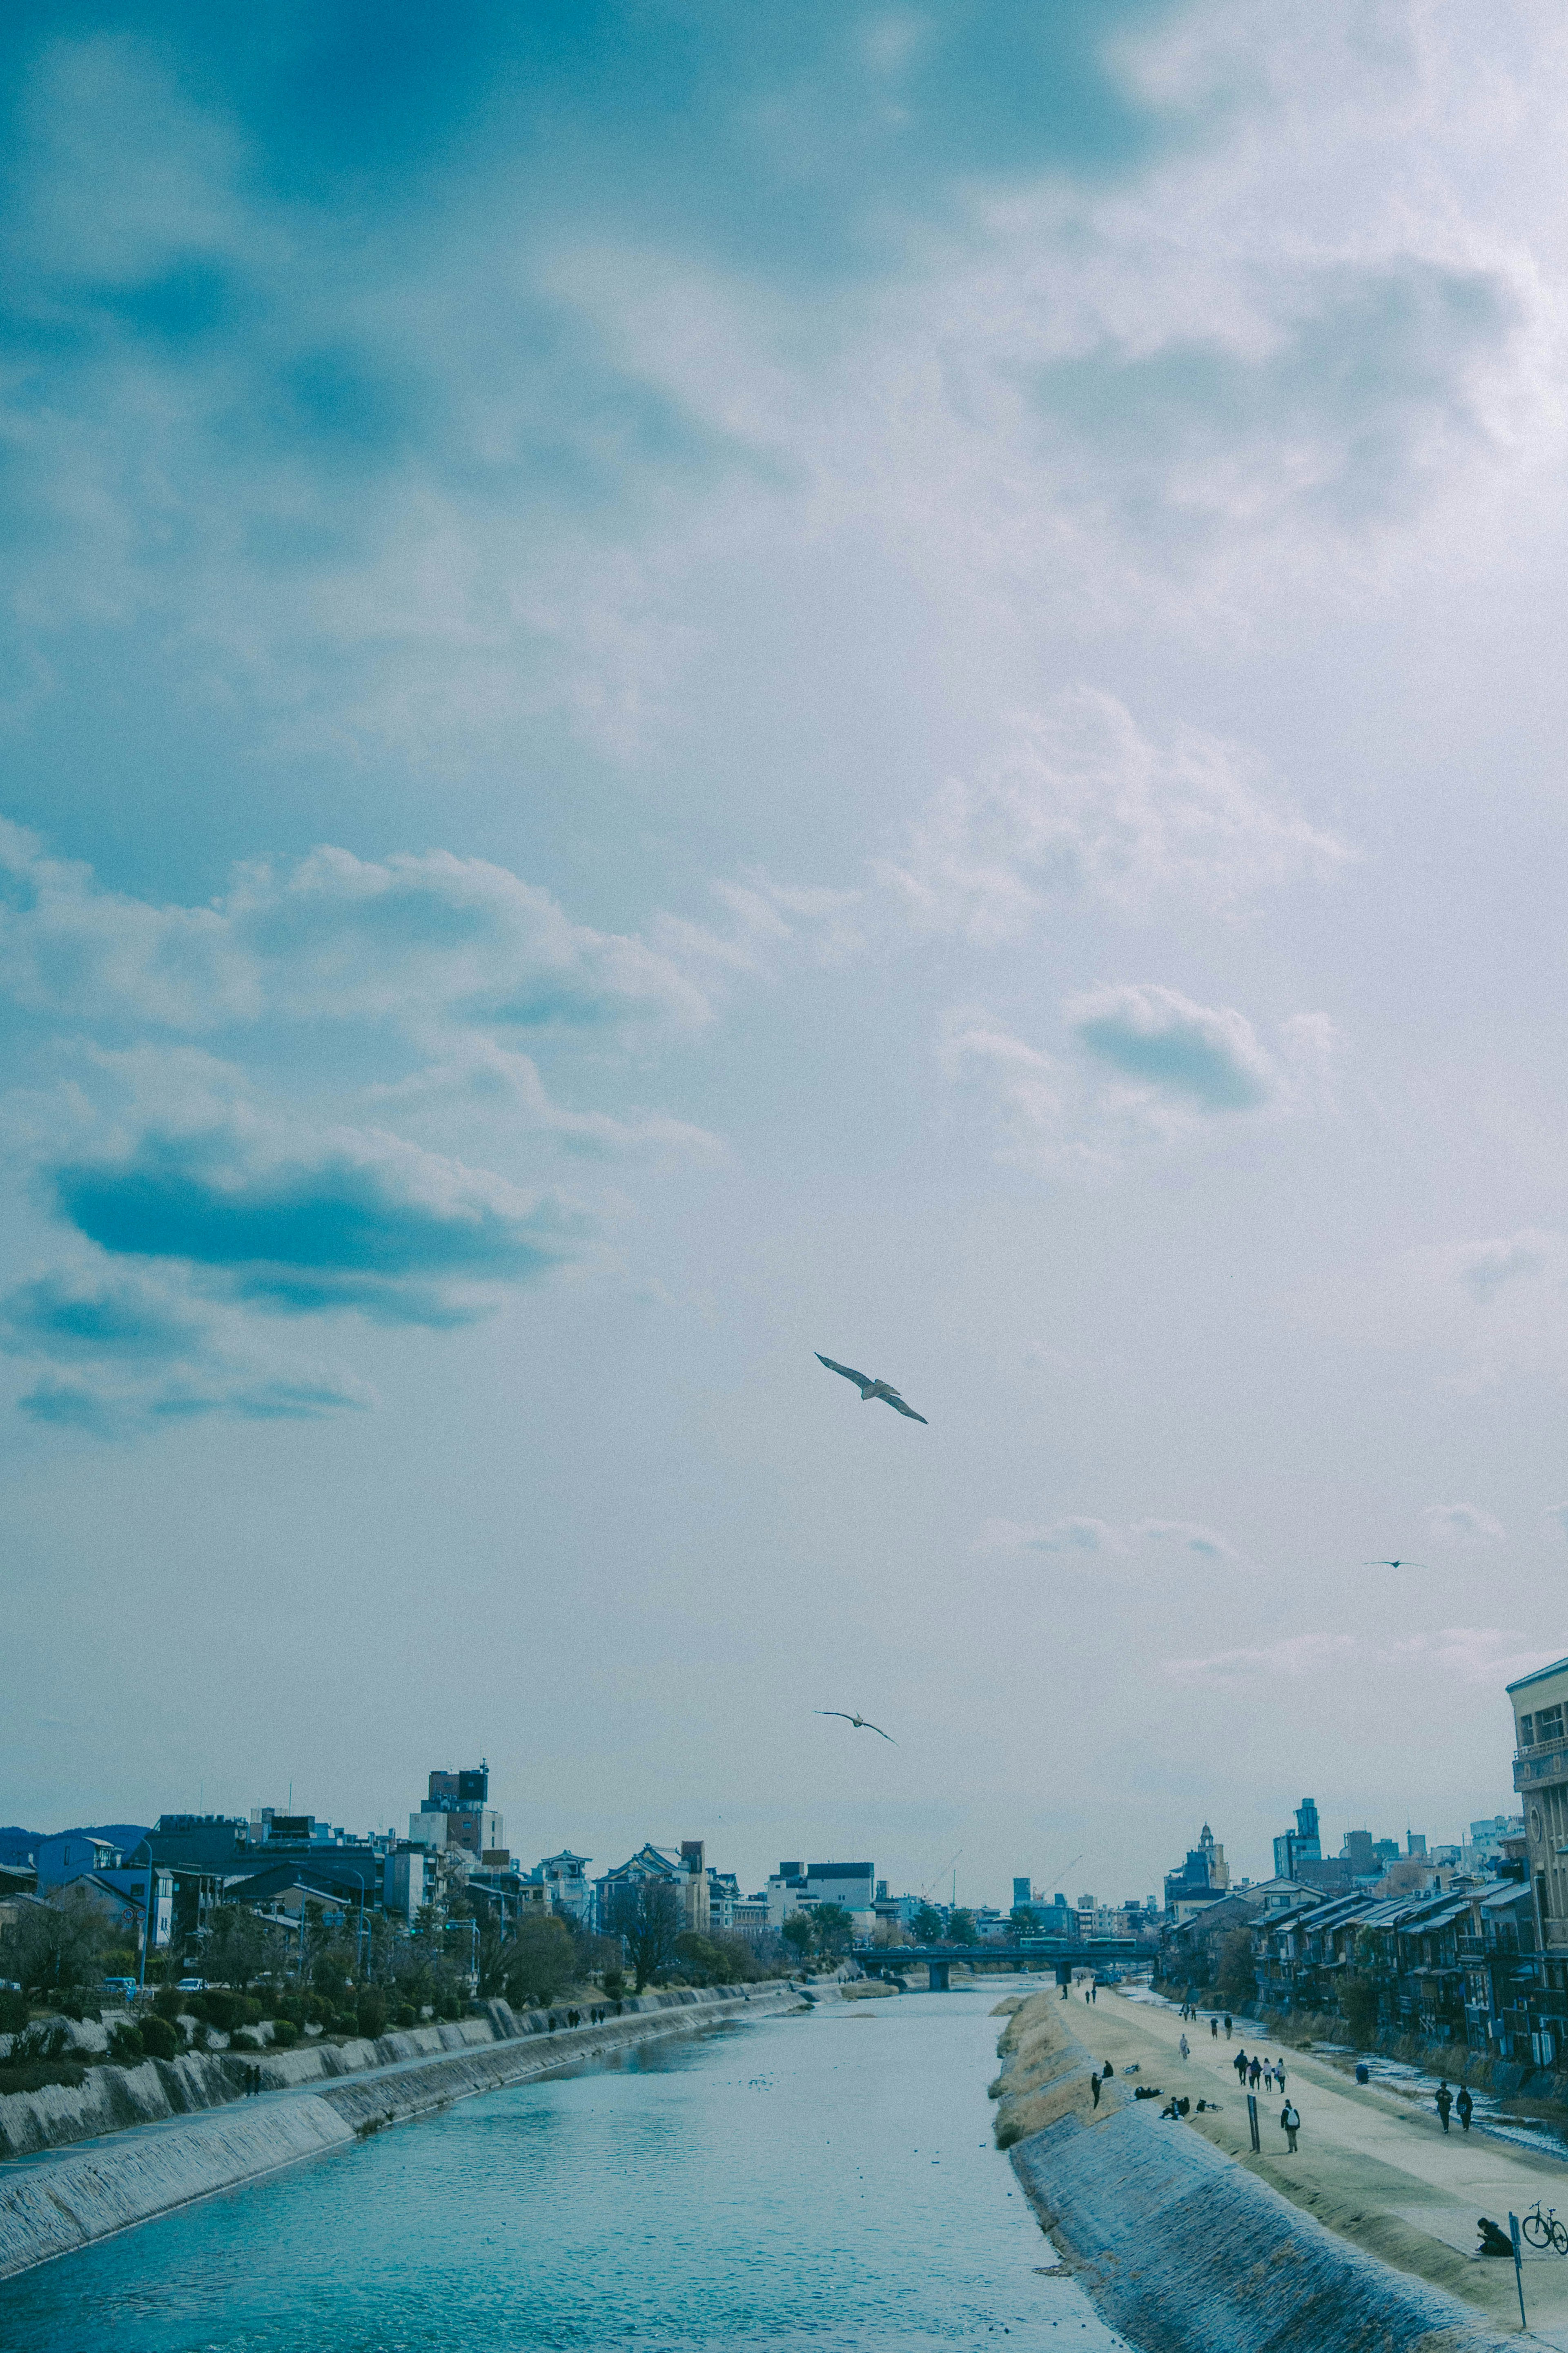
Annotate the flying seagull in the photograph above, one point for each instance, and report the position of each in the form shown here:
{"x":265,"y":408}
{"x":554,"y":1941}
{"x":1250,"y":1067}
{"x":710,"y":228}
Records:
{"x":1393,"y":1563}
{"x":868,"y":1390}
{"x":859,"y":1721}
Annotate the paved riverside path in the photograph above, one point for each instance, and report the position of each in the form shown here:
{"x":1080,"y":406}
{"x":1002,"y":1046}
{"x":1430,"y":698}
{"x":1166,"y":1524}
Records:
{"x":1372,"y":2164}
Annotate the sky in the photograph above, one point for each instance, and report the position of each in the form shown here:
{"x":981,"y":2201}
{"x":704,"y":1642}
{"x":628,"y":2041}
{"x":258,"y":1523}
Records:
{"x":680,"y":686}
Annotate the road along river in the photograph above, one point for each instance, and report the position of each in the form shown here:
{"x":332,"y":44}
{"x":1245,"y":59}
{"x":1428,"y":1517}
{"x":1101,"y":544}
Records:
{"x":799,"y":2181}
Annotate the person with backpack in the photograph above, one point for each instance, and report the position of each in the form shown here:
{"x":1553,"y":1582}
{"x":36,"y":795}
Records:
{"x":1239,"y":2064}
{"x":1289,"y":2117}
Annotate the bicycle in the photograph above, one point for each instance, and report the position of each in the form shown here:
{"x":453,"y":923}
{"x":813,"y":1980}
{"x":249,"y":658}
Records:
{"x":1544,"y":2229}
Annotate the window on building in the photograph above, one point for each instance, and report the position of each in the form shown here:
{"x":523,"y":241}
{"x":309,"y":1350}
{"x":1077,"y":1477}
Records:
{"x":1548,"y":1724}
{"x":1527,"y":1732}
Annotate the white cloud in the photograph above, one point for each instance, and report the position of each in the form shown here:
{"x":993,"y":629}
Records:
{"x":1485,"y":1268}
{"x":1149,"y":1066}
{"x":1087,"y":802}
{"x":1461,"y":1524}
{"x":1481,"y":1656}
{"x":1185,"y":1535}
{"x":1068,"y":1535}
{"x":1088,"y":1535}
{"x":1293,"y":1659}
{"x":1205,"y":1055}
{"x":415,"y":941}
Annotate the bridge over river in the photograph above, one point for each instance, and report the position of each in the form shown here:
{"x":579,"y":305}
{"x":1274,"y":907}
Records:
{"x":1054,"y":1953}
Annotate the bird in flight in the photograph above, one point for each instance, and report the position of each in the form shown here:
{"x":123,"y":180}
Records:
{"x":1393,"y":1563}
{"x":860,"y":1723}
{"x":868,"y":1390}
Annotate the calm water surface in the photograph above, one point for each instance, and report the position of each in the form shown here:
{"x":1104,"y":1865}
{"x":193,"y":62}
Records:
{"x":802,"y":2181}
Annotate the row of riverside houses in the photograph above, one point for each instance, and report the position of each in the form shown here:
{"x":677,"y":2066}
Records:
{"x":279,"y":1863}
{"x":1464,"y":1945}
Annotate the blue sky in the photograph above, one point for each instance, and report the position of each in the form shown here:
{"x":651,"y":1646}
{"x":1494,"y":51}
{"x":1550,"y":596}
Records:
{"x":679,"y":687}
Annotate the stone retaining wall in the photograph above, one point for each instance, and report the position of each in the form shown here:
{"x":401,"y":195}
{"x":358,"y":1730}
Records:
{"x":58,"y":2205}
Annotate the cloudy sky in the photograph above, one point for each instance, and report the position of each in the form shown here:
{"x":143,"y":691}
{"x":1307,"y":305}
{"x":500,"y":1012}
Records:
{"x":679,"y":685}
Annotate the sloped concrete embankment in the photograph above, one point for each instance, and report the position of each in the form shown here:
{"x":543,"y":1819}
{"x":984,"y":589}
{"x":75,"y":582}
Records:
{"x":1181,"y":2249}
{"x":60,"y":2204}
{"x":113,"y":2099}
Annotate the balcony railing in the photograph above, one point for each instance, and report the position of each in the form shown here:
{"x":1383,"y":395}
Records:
{"x":1549,"y":1762}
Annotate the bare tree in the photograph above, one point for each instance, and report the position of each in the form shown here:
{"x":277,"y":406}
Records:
{"x":646,"y":1916}
{"x":53,"y":1947}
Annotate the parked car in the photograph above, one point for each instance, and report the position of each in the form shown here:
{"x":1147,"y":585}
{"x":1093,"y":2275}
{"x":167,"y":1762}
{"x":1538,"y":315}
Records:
{"x":192,"y":1985}
{"x":124,"y":1986}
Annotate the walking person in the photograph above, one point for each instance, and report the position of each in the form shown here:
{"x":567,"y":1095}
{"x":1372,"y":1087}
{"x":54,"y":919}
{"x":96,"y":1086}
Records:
{"x":1280,"y":2073}
{"x":1291,"y":2121}
{"x":1239,"y":2064}
{"x":1184,"y":2048}
{"x":1253,"y":2070}
{"x":1214,"y":2028}
{"x":1445,"y":2101}
{"x":1227,"y":2026}
{"x":1094,"y":2090}
{"x":1464,"y":2104}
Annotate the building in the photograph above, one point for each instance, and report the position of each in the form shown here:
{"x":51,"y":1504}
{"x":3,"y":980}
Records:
{"x":1541,"y":1777}
{"x":73,"y":1855}
{"x":682,"y":1869}
{"x":564,"y":1877}
{"x":457,"y":1812}
{"x":1202,"y":1879}
{"x":1301,"y":1845}
{"x":801,"y":1886}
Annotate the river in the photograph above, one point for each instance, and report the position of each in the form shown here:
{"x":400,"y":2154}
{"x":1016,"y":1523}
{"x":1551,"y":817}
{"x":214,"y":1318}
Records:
{"x":797,"y":2181}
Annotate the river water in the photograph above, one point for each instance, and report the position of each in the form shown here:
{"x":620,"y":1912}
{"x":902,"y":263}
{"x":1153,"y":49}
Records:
{"x":799,"y":2181}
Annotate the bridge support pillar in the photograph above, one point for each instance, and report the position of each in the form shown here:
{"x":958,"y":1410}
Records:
{"x":939,"y":1975}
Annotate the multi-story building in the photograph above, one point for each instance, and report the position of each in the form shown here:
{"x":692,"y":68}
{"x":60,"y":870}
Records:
{"x":1303,"y":1844}
{"x":801,"y":1886}
{"x":1202,"y":1879}
{"x":684,"y":1872}
{"x":1541,"y":1777}
{"x":457,"y":1812}
{"x":571,"y":1891}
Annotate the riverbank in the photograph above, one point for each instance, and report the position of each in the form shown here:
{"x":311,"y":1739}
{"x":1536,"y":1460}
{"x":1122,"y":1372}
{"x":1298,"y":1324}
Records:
{"x":60,"y":2202}
{"x":1186,"y":2240}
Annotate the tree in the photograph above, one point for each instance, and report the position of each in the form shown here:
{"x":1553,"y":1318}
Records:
{"x":1022,"y":1918}
{"x":1234,"y":1978}
{"x":962,"y":1930}
{"x":240,"y":1947}
{"x":536,"y":1962}
{"x":52,"y":1946}
{"x":833,"y":1931}
{"x":646,"y":1916}
{"x":798,"y":1933}
{"x":1358,"y":2000}
{"x":928,"y":1924}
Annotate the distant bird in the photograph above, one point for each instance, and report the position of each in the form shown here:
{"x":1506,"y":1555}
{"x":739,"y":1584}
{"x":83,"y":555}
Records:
{"x":868,"y":1388}
{"x":1393,"y":1563}
{"x":859,"y":1721}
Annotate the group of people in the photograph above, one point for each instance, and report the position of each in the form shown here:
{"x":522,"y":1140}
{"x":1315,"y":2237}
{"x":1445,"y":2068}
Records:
{"x":1445,"y":2101}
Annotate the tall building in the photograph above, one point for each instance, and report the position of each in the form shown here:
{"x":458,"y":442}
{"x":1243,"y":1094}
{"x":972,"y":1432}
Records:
{"x":1203,"y":1878}
{"x":1301,"y":1845}
{"x":1541,"y":1777}
{"x":457,"y":1813}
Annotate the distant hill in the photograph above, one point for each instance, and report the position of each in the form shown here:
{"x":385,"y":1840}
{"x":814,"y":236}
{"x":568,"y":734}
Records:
{"x":16,"y":1844}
